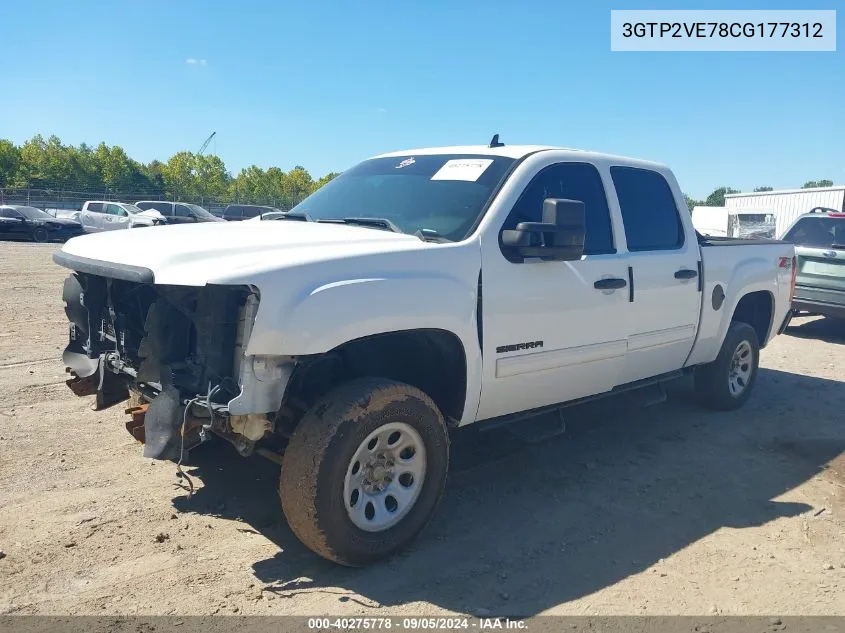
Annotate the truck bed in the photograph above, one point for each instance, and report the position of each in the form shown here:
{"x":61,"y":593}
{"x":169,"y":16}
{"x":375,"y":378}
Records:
{"x":729,"y":272}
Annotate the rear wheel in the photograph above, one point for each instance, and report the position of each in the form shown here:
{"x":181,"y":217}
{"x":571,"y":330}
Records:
{"x":726,"y":383}
{"x":40,"y":235}
{"x":364,"y":470}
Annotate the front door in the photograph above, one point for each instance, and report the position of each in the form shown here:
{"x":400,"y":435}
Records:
{"x":664,"y":263}
{"x":550,"y":334}
{"x":116,"y":217}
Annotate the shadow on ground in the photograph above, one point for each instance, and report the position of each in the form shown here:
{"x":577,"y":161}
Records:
{"x":822,"y":329}
{"x":524,"y":528}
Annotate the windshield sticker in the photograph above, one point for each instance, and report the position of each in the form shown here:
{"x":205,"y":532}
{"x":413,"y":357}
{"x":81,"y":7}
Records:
{"x":406,"y":163}
{"x":463,"y":169}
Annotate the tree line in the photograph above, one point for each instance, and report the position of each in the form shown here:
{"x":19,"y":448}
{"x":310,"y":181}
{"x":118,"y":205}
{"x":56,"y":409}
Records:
{"x":717,"y":198}
{"x":49,"y":164}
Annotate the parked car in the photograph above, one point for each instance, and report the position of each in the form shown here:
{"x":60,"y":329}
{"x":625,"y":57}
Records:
{"x":237,"y":212}
{"x":819,"y":238}
{"x":179,"y":212}
{"x":102,"y":215}
{"x":415,"y":293}
{"x":20,"y":222}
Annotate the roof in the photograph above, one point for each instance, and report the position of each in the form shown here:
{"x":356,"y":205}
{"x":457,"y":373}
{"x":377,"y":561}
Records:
{"x":784,"y":191}
{"x":516,"y":151}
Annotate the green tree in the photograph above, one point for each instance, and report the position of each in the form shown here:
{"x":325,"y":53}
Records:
{"x":691,"y":202}
{"x":717,"y":198}
{"x":812,"y":184}
{"x":10,"y":158}
{"x":332,"y":175}
{"x":42,"y":163}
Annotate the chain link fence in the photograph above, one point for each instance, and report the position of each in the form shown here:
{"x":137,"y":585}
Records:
{"x":73,"y":200}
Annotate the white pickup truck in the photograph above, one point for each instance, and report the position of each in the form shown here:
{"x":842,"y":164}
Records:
{"x":418,"y":292}
{"x":102,"y":215}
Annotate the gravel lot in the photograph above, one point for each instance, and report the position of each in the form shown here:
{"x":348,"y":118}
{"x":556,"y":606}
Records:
{"x":667,"y":510}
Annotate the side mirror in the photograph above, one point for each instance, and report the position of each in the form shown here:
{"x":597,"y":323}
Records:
{"x":559,"y":237}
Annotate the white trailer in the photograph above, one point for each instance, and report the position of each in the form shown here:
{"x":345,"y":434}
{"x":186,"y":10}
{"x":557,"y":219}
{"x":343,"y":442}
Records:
{"x":741,"y":223}
{"x":788,"y":204}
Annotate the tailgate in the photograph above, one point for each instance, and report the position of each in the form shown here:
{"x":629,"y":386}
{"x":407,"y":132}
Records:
{"x":822,"y":268}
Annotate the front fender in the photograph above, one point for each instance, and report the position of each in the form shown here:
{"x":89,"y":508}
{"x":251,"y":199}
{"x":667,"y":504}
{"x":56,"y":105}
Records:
{"x":327,"y":315}
{"x":330,"y":314}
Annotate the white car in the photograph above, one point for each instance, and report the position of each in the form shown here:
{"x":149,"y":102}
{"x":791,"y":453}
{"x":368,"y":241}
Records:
{"x":418,"y":292}
{"x":102,"y":215}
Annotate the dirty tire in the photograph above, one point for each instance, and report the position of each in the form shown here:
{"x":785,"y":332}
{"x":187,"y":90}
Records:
{"x":40,"y":235}
{"x":320,"y":450}
{"x":712,"y":383}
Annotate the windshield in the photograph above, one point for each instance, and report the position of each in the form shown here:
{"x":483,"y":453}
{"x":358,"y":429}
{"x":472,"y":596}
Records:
{"x":818,"y":232}
{"x":31,"y":213}
{"x":445,"y":193}
{"x":131,"y":209}
{"x":203,"y":213}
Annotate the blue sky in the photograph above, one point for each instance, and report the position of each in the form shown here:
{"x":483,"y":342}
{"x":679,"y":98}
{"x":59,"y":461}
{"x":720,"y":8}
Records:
{"x":326,"y":84}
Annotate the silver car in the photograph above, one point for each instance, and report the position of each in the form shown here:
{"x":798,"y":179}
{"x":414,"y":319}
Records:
{"x":819,"y":238}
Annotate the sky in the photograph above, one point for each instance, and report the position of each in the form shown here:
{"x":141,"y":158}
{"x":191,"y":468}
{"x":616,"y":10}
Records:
{"x":327,"y":84}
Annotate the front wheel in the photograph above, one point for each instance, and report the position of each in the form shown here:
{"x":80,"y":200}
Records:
{"x":726,"y":383}
{"x":40,"y":235}
{"x":365,"y":470}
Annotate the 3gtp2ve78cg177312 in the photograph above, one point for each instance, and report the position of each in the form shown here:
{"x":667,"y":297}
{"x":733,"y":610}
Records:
{"x":417,"y":292}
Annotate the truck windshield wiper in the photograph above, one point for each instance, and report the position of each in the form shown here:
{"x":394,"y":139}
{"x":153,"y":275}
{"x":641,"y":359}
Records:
{"x":302,"y":217}
{"x":378,"y":223}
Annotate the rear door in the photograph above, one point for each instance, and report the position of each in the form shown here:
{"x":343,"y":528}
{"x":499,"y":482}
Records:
{"x":820,"y":248}
{"x":92,"y":217}
{"x":13,"y":225}
{"x":664,"y":266}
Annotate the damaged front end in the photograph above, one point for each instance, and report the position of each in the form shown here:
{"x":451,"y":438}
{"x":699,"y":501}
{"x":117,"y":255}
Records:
{"x":177,"y":353}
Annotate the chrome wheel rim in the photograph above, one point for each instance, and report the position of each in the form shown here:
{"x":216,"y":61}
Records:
{"x":740,"y":371}
{"x":384,"y":477}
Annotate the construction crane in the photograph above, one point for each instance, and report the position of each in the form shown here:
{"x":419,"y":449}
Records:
{"x":205,"y":145}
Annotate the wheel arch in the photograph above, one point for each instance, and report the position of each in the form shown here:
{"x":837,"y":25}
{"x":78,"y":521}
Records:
{"x":433,"y":360}
{"x":757,"y":309}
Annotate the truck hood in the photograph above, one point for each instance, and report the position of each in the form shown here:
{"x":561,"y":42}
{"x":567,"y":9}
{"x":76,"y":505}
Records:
{"x":221,"y":253}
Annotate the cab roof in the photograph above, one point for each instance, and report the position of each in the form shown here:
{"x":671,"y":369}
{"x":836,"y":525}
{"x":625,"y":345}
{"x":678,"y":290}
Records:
{"x":520,"y":151}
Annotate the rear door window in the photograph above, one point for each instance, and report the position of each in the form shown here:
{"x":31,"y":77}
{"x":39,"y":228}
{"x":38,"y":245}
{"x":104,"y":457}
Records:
{"x":96,"y":207}
{"x":649,"y":213}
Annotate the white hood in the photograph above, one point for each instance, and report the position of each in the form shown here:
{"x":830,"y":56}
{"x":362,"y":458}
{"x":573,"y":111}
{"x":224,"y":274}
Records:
{"x":235,"y":252}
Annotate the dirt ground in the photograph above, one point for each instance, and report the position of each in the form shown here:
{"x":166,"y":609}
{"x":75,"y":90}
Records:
{"x":666,"y":510}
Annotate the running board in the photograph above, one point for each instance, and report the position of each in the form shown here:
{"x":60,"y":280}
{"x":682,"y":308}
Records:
{"x":540,"y":428}
{"x":651,"y":388}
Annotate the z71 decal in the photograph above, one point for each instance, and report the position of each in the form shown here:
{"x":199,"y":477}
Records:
{"x":518,"y":346}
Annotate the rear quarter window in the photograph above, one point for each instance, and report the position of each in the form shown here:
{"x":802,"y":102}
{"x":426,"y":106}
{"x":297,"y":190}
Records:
{"x":649,"y":212}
